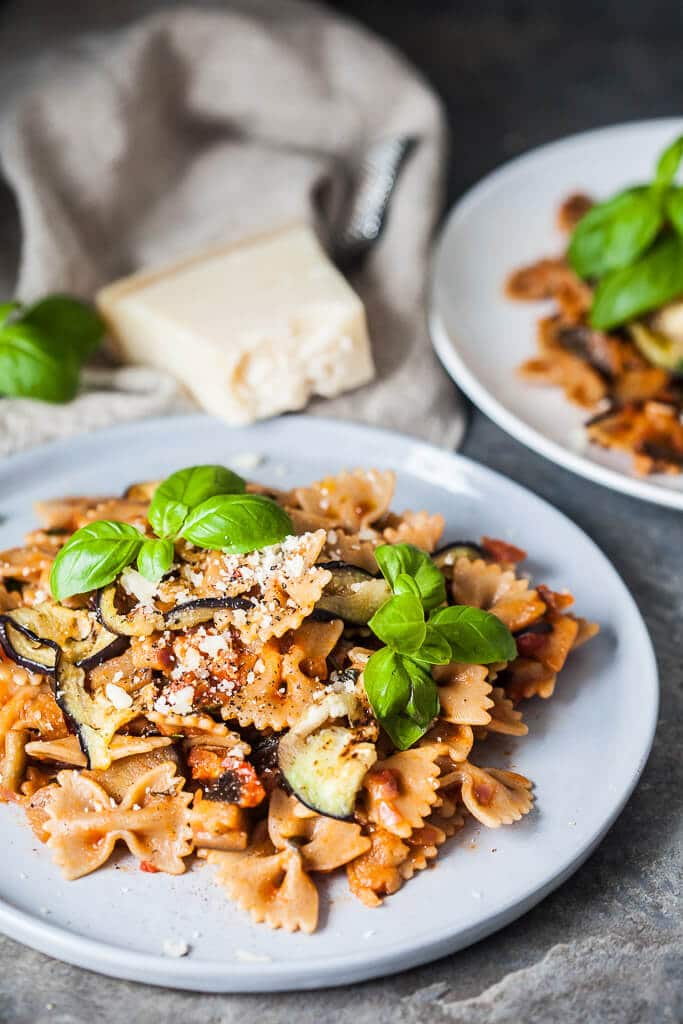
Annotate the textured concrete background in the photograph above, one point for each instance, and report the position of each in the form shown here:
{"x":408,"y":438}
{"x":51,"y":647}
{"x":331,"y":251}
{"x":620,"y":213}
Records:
{"x":608,"y":946}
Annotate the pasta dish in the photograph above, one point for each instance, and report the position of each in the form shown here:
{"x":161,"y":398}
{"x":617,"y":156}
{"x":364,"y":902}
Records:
{"x":281,"y":684}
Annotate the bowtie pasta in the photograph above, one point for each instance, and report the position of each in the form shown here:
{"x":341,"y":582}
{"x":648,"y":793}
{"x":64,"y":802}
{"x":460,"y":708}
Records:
{"x":193,"y":719}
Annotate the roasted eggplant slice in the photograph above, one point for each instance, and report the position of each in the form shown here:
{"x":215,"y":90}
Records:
{"x":145,"y":621}
{"x":660,"y":349}
{"x":26,"y":649}
{"x":450,"y":553}
{"x":352,"y":594}
{"x":32,"y":636}
{"x":324,"y":762}
{"x":94,"y":721}
{"x":325,"y":769}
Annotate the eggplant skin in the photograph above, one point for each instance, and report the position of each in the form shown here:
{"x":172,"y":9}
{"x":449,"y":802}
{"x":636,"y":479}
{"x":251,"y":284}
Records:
{"x":325,"y":770}
{"x":352,"y":594}
{"x":6,"y":625}
{"x":183,"y":616}
{"x":113,"y":649}
{"x":458,"y":549}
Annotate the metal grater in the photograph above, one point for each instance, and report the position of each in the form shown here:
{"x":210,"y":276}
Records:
{"x":364,"y":220}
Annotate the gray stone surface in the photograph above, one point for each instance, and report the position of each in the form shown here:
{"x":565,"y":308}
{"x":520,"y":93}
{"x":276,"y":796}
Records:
{"x":608,"y":946}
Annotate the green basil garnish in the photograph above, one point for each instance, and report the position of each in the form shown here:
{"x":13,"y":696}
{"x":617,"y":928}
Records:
{"x":674,"y":209}
{"x":155,"y":558}
{"x":237,"y":523}
{"x":435,"y":650}
{"x":204,"y":504}
{"x":184,"y":490}
{"x":655,"y":279}
{"x":42,"y":347}
{"x":93,"y":557}
{"x":397,"y":678}
{"x":625,"y":245}
{"x":386,"y":683}
{"x":400,"y":623}
{"x":668,"y":163}
{"x":395,"y":560}
{"x":72,"y":326}
{"x":614,"y":233}
{"x":475,"y":637}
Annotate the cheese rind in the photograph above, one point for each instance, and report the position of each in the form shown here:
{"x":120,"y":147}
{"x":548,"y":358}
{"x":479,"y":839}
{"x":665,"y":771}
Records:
{"x":252,"y":329}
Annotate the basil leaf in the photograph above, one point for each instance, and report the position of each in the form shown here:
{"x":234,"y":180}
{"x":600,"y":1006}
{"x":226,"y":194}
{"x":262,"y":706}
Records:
{"x":627,"y":293}
{"x":386,"y":683}
{"x":184,"y":490}
{"x":400,"y":623}
{"x":668,"y":163}
{"x":93,"y":557}
{"x":6,"y":310}
{"x":155,"y":558}
{"x":423,"y":706}
{"x":405,"y":584}
{"x":614,"y":233}
{"x":30,"y":367}
{"x":435,"y":650}
{"x":73,"y":327}
{"x":403,"y":731}
{"x":397,"y":559}
{"x":476,"y":637}
{"x":236,"y":523}
{"x":674,"y":209}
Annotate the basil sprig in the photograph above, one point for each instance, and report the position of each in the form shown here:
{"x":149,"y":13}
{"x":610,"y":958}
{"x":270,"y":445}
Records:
{"x":205,"y":505}
{"x":418,"y":633}
{"x":631,"y":246}
{"x":42,"y":347}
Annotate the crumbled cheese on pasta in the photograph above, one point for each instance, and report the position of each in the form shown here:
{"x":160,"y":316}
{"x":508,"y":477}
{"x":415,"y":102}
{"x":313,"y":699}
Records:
{"x":176,"y":702}
{"x":212,"y":645}
{"x":135,"y":584}
{"x":117,"y":696}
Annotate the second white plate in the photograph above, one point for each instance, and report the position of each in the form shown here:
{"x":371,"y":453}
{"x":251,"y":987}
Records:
{"x":481,"y":337}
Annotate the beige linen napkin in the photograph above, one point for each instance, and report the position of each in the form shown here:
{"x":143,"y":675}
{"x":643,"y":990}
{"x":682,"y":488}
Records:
{"x":140,"y":141}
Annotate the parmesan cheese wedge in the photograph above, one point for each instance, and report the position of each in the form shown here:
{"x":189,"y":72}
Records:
{"x":252,"y":329}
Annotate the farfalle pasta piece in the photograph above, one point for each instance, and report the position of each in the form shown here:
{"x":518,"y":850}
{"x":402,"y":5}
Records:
{"x":486,"y":585}
{"x":324,"y":843}
{"x":281,"y":690}
{"x":272,"y":887}
{"x":377,"y":872}
{"x":289,"y":582}
{"x":505,"y":718}
{"x":352,"y":501}
{"x":456,"y":740}
{"x":493,"y":796}
{"x":401,"y":790}
{"x":464,"y":693}
{"x":67,"y":750}
{"x":153,"y":820}
{"x":445,"y":820}
{"x":526,"y":678}
{"x":194,"y":724}
{"x":419,"y":528}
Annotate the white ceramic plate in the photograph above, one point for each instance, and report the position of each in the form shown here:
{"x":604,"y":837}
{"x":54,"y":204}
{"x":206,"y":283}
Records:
{"x":599,"y":726}
{"x":481,"y":337}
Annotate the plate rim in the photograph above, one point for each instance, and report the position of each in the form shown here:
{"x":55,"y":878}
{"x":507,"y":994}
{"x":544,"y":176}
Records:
{"x":228,"y":976}
{"x":446,"y":348}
